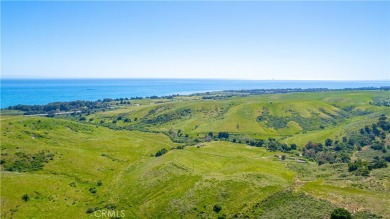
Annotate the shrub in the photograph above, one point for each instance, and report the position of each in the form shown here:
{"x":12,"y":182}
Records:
{"x":293,"y":146}
{"x":223,"y":135}
{"x":93,"y":190}
{"x":29,"y":162}
{"x":340,"y":213}
{"x":217,"y":208}
{"x":377,"y":146}
{"x":26,"y":197}
{"x":328,"y":142}
{"x":161,"y":152}
{"x":91,"y":210}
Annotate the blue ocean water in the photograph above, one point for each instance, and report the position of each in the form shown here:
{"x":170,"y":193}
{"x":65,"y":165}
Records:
{"x":43,"y":91}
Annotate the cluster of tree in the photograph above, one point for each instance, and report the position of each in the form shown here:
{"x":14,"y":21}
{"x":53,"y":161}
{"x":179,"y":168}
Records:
{"x":340,"y":151}
{"x":216,"y":97}
{"x":161,"y":152}
{"x":313,"y":123}
{"x":294,"y":90}
{"x":377,"y":101}
{"x":224,"y":135}
{"x":79,"y":105}
{"x":271,"y":143}
{"x":167,"y":117}
{"x":120,"y":118}
{"x":155,"y":97}
{"x":363,"y":168}
{"x":278,"y":91}
{"x":274,"y":145}
{"x":180,"y":137}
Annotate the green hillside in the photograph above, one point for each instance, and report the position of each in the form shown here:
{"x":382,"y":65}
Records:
{"x":315,"y":115}
{"x":78,"y":166}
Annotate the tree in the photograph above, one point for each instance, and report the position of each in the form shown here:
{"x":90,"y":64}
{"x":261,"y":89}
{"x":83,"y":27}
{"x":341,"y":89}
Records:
{"x":383,"y":117}
{"x":223,"y":135}
{"x":340,"y":213}
{"x":293,"y":146}
{"x":328,"y":142}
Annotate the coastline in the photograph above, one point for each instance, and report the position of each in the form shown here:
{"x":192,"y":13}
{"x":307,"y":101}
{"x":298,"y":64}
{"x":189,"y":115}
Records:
{"x":44,"y":91}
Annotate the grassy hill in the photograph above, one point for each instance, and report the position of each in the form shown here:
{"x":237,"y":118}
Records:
{"x":312,"y":115}
{"x":66,"y":168}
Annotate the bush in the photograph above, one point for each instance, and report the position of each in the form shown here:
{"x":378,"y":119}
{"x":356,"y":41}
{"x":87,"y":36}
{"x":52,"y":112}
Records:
{"x":223,"y":135}
{"x":378,"y":146}
{"x":29,"y":162}
{"x":328,"y":142}
{"x":93,"y":190}
{"x":161,"y":152}
{"x":340,"y":213}
{"x":293,"y":146}
{"x":91,"y":210}
{"x":217,"y":208}
{"x":26,"y":197}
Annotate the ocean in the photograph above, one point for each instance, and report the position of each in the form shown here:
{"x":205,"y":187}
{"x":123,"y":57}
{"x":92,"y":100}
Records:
{"x":43,"y":91}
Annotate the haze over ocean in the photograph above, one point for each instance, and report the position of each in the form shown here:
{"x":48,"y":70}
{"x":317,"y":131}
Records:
{"x":43,"y":91}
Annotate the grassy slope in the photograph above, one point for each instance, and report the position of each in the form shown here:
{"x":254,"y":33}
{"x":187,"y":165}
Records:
{"x":78,"y":158}
{"x":182,"y":183}
{"x":238,"y":114}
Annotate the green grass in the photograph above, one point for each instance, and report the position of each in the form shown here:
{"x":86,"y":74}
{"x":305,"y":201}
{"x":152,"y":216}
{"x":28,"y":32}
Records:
{"x":189,"y":183}
{"x":144,"y":186}
{"x":238,"y":115}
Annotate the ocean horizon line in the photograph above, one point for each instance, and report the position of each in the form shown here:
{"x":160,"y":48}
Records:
{"x":224,"y":79}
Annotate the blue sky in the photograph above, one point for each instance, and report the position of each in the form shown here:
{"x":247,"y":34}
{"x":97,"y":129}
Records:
{"x":304,"y":40}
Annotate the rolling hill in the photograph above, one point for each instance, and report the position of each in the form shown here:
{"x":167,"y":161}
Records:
{"x":69,"y":167}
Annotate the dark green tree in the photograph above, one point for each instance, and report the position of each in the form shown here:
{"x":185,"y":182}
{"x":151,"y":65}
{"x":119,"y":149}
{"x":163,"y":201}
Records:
{"x":328,"y":142}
